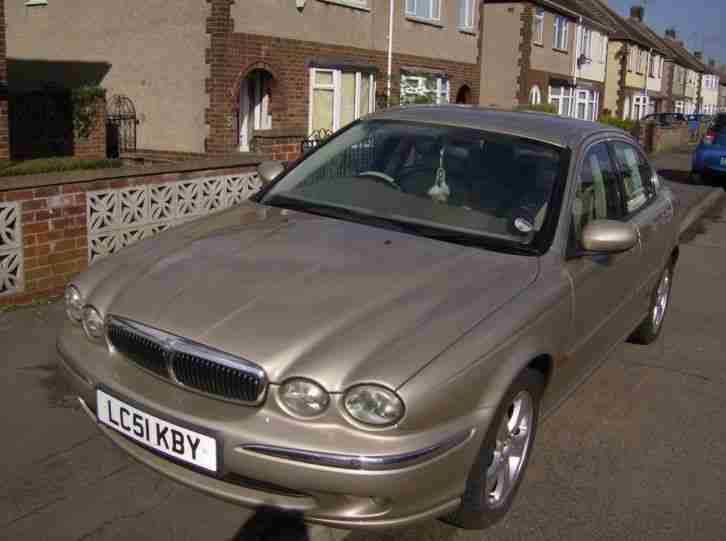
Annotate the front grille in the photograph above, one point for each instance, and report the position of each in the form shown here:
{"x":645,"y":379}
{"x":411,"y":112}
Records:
{"x":186,"y":363}
{"x":214,"y":378}
{"x":137,"y":348}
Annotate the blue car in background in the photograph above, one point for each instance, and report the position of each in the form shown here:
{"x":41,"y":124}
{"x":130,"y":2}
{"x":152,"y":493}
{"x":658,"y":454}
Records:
{"x":709,"y":160}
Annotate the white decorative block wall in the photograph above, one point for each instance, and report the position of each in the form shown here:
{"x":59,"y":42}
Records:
{"x":120,"y":217}
{"x":11,"y":251}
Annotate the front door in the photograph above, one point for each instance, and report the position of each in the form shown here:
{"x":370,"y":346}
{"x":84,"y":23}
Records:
{"x":254,"y":107}
{"x":603,"y":284}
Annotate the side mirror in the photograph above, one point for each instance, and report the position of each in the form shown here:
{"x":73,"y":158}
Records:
{"x":270,"y":170}
{"x":608,"y":237}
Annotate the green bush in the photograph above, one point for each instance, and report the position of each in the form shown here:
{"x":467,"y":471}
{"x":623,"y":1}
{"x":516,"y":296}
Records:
{"x":53,"y":165}
{"x":626,"y":125}
{"x":540,"y":107}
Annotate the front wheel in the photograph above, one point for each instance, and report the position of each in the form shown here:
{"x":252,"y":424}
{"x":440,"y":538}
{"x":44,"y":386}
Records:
{"x":649,"y":329}
{"x":498,"y":470}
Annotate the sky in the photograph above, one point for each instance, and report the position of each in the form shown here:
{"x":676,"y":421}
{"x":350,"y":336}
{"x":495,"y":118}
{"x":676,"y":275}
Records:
{"x":701,"y":24}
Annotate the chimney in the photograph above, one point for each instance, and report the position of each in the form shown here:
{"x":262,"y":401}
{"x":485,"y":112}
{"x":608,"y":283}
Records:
{"x":671,"y":33}
{"x":698,"y":55}
{"x":637,"y":13}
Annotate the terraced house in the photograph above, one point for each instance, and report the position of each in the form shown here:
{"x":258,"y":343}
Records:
{"x":218,"y":76}
{"x":685,"y":76}
{"x":710,"y":81}
{"x":544,"y":52}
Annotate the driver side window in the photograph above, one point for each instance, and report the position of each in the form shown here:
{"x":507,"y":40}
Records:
{"x":597,"y":195}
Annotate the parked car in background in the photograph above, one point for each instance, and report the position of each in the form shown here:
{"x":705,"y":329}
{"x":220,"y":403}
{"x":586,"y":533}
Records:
{"x":709,"y":158}
{"x":372,"y":341}
{"x":664,"y":119}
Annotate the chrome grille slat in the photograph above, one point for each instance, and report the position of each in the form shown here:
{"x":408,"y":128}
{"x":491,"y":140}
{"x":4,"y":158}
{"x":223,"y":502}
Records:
{"x":187,"y":363}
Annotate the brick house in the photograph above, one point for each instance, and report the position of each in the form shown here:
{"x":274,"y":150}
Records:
{"x":683,"y":76}
{"x":220,"y":76}
{"x":544,"y":52}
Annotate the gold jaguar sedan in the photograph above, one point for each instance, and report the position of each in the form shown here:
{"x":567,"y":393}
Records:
{"x":372,"y":340}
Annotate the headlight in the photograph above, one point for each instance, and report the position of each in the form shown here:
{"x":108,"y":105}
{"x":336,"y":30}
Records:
{"x":304,"y":397}
{"x":74,"y":304}
{"x":93,"y":323}
{"x":373,"y":405}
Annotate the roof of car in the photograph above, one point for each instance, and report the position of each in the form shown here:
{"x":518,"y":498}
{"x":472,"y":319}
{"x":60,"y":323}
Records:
{"x":546,"y":127}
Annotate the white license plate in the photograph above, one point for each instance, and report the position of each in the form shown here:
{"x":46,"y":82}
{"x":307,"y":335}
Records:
{"x":163,"y":436}
{"x":723,"y":160}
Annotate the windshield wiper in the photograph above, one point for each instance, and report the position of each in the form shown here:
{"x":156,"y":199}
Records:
{"x":365,"y":217}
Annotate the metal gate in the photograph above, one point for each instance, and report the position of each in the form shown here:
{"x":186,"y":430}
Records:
{"x":120,"y":126}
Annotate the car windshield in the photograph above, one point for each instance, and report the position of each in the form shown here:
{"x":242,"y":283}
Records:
{"x":456,"y":184}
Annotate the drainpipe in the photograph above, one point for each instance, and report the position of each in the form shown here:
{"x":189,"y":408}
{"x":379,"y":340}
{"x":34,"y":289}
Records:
{"x":390,"y":51}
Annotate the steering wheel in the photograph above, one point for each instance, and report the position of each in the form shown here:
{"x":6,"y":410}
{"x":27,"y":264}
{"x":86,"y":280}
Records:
{"x":390,"y":181}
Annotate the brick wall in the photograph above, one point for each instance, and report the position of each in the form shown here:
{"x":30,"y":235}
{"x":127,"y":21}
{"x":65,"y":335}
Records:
{"x":279,"y":144}
{"x":93,"y":147}
{"x":48,"y":236}
{"x":4,"y":136}
{"x":232,"y":56}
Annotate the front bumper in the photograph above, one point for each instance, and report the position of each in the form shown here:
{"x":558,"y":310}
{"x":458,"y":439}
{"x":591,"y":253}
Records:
{"x":416,"y":476}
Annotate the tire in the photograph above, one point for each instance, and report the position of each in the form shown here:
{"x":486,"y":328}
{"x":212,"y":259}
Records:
{"x":481,"y":507}
{"x":649,"y":329}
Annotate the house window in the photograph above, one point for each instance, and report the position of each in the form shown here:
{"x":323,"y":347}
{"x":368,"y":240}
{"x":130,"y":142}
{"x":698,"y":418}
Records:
{"x":424,"y":88}
{"x":653,"y":65}
{"x":538,"y":29}
{"x":562,"y":97}
{"x":586,"y":43}
{"x":632,"y":52}
{"x":604,"y":52}
{"x":679,"y":107}
{"x":560,"y":37}
{"x":339,"y":97}
{"x":642,"y":61}
{"x":424,"y":9}
{"x":535,"y":96}
{"x":640,"y":107}
{"x":466,"y":14}
{"x":626,"y":108}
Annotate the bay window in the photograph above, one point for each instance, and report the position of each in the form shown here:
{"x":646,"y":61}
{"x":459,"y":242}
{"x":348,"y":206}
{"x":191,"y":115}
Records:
{"x":561,"y":97}
{"x":338,"y":97}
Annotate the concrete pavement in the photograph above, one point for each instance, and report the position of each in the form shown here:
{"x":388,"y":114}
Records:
{"x":638,"y":452}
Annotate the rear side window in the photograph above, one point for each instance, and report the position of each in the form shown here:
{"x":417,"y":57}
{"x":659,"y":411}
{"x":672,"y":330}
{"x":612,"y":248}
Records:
{"x":719,"y":124}
{"x":637,"y":175}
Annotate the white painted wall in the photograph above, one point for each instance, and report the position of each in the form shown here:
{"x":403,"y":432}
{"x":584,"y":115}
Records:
{"x":594,"y":70}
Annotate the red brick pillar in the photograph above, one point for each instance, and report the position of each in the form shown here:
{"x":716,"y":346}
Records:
{"x":4,"y":136}
{"x":93,"y":147}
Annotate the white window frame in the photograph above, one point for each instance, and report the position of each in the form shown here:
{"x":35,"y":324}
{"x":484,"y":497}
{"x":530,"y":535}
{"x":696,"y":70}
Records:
{"x":590,"y":99}
{"x":467,"y":8}
{"x":560,"y":36}
{"x":442,"y":84}
{"x":538,"y":27}
{"x":604,"y":51}
{"x":632,"y":54}
{"x":336,"y":87}
{"x":586,"y":42}
{"x":434,"y":14}
{"x":535,"y":95}
{"x":639,"y":104}
{"x":562,"y":95}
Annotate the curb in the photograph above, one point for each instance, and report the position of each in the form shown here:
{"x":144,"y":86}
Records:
{"x":699,"y":209}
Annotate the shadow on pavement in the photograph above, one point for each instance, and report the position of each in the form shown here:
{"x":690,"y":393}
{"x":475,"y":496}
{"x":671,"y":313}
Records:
{"x":271,"y":525}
